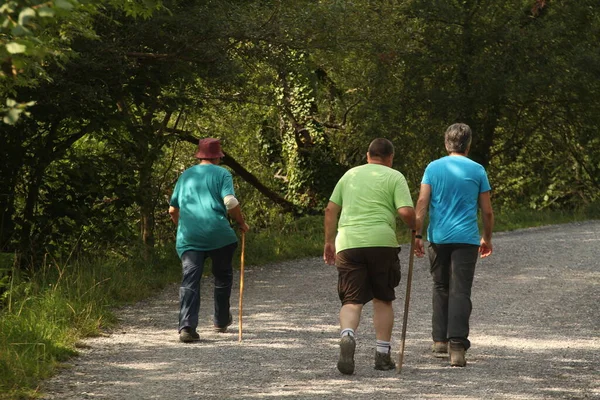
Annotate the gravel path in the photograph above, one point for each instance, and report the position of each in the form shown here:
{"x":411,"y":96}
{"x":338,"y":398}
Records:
{"x":535,"y":332}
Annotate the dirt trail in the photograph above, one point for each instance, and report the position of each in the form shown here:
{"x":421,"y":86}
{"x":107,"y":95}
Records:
{"x":535,"y":332}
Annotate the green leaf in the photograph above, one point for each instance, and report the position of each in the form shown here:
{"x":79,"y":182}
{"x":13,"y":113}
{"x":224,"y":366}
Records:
{"x":15,"y":48}
{"x":20,"y":30}
{"x":11,"y":102}
{"x":64,"y":4}
{"x":25,"y":15}
{"x":46,"y":12}
{"x":12,"y":116}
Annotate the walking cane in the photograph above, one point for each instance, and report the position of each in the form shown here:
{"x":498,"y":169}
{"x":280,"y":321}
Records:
{"x":241,"y":287}
{"x":411,"y":257}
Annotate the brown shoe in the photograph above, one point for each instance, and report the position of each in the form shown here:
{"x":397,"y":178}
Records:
{"x":188,"y":335}
{"x":457,"y":354}
{"x":439,"y":349}
{"x":383,"y":361}
{"x":346,"y":361}
{"x":223,"y":329}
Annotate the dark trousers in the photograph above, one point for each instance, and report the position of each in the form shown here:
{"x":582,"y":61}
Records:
{"x":452,"y":270}
{"x":189,"y":293}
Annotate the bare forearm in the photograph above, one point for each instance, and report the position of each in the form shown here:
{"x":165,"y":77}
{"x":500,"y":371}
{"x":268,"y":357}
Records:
{"x":407,"y":215}
{"x":422,"y":206}
{"x":487,"y":215}
{"x":421,"y":213}
{"x":488,"y":225}
{"x":174,"y":213}
{"x":331,"y":220}
{"x":236,"y":214}
{"x":330,"y":226}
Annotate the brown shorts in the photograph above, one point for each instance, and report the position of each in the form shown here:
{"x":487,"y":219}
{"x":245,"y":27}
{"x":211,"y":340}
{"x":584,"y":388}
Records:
{"x":366,"y":273}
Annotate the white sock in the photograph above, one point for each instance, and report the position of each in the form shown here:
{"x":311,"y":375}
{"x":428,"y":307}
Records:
{"x":383,"y":346}
{"x":347,"y":331}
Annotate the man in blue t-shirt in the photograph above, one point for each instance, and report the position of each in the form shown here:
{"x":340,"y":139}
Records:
{"x":453,"y":189}
{"x":201,"y":201}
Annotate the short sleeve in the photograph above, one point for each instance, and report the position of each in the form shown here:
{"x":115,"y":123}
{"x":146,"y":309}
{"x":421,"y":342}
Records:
{"x":484,"y":185}
{"x":402,"y":197}
{"x":336,"y":196}
{"x":227,"y":186}
{"x":426,"y":177}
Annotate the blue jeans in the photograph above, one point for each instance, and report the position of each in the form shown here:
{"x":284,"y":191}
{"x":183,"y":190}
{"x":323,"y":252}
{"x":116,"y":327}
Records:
{"x":452,"y":270}
{"x":189,"y":293}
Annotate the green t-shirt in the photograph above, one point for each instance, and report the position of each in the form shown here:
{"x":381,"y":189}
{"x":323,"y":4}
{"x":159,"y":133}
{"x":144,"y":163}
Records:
{"x":203,"y":223}
{"x":370,"y":196}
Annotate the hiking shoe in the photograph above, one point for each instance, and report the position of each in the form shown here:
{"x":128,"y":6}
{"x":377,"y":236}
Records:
{"x":457,"y":354}
{"x":383,"y":361}
{"x":439,"y":349}
{"x":188,"y":335}
{"x":223,"y":329}
{"x":346,"y":362}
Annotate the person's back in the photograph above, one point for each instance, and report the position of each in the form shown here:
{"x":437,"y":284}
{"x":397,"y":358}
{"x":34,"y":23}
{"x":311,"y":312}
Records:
{"x":453,"y":188}
{"x":203,"y":222}
{"x":456,"y":183}
{"x":369,"y":198}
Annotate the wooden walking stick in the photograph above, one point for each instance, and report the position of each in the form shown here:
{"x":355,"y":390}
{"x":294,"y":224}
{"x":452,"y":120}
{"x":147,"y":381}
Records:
{"x":411,"y":257}
{"x":241,"y":287}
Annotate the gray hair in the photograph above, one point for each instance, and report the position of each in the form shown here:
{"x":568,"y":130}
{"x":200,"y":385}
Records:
{"x":458,"y":138}
{"x":381,"y":148}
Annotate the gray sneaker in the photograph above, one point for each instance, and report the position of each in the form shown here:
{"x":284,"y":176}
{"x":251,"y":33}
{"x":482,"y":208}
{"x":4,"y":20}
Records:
{"x":383,"y":361}
{"x":457,"y":354}
{"x":439,"y":349}
{"x":188,"y":335}
{"x":346,"y":362}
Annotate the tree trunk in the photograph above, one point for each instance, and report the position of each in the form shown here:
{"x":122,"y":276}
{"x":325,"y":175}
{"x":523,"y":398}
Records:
{"x":147,"y":206}
{"x":7,"y":210}
{"x":26,"y":251}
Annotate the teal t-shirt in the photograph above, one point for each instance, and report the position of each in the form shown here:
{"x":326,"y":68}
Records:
{"x":370,"y":196}
{"x":203,"y":223}
{"x":456,"y":183}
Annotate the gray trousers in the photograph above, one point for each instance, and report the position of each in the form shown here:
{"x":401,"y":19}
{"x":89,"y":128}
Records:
{"x":452,"y":270}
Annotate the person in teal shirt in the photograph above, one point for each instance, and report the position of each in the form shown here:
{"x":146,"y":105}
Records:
{"x":454,"y":188}
{"x":365,"y":250}
{"x":201,"y":202}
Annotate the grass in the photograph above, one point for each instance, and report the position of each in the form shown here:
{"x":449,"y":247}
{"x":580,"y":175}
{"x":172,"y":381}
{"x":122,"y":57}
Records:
{"x":47,"y":314}
{"x":285,"y":241}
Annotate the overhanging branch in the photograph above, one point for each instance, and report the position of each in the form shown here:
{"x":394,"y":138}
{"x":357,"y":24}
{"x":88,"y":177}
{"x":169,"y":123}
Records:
{"x":245,"y":175}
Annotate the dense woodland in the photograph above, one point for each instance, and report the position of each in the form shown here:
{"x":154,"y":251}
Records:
{"x":104,"y":101}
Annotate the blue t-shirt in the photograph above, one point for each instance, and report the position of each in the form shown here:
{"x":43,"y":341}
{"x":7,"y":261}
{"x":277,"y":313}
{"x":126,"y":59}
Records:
{"x":456,"y":183}
{"x":203,"y":223}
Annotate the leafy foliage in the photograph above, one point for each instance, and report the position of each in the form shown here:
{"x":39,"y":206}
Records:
{"x":296,"y":91}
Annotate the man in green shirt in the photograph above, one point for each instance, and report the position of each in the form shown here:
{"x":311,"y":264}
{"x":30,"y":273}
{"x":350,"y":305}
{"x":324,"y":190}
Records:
{"x":365,"y":249}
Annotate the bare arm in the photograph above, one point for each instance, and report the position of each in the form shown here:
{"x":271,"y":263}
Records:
{"x":174,"y":213}
{"x":407,"y":215}
{"x":422,"y":207}
{"x":487,"y":215}
{"x":331,"y":215}
{"x":236,"y":214}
